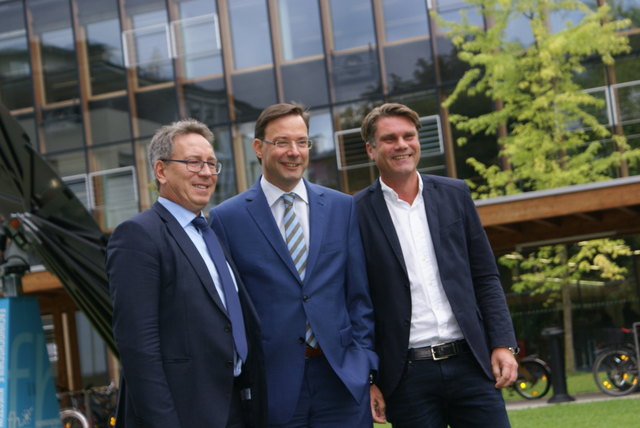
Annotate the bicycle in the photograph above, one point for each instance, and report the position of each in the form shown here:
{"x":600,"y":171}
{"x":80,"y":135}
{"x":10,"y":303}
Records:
{"x":93,"y":407}
{"x":615,"y":369}
{"x":534,"y":378}
{"x":72,"y":418}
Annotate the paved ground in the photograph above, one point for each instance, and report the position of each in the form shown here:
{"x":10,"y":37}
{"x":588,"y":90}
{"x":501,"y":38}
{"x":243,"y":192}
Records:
{"x":579,"y":398}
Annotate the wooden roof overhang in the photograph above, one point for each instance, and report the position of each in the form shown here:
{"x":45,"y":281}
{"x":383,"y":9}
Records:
{"x":566,"y":214}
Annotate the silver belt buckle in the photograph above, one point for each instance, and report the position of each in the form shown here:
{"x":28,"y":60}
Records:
{"x":433,"y":354}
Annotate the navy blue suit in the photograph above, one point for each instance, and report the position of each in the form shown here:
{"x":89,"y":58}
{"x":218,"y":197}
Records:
{"x":333,"y":297}
{"x":173,"y":332}
{"x":467,"y":269}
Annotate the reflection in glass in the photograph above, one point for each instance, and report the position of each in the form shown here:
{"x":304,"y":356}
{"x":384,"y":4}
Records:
{"x":196,"y":43}
{"x":300,"y":28}
{"x":62,"y":128}
{"x":206,"y":101}
{"x":253,"y":92}
{"x":250,"y":33}
{"x":28,"y":123}
{"x":114,"y":196}
{"x":628,"y":96}
{"x":404,"y":19}
{"x":15,"y":72}
{"x":110,"y":157}
{"x":155,"y":109}
{"x":356,"y":75}
{"x":253,"y":169}
{"x":454,"y":13}
{"x":322,"y":158}
{"x":226,"y":186}
{"x":629,"y":9}
{"x":352,"y":24}
{"x":52,"y":24}
{"x":109,"y":120}
{"x":451,"y":67}
{"x":409,"y":66}
{"x":306,"y":83}
{"x":146,"y":45}
{"x":103,"y":44}
{"x":68,"y":163}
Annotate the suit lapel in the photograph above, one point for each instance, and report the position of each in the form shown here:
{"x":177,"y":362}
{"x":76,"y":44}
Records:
{"x":431,"y":199}
{"x":191,"y":253}
{"x":260,"y":212}
{"x":317,"y":223}
{"x":385,"y":222}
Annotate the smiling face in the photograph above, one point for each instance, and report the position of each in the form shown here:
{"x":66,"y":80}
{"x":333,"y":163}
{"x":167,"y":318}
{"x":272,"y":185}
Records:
{"x":397,"y":148}
{"x":192,"y":190}
{"x":283,"y":167}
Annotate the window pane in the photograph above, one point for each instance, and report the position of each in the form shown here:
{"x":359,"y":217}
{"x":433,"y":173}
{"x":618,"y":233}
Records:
{"x":62,"y":129}
{"x":300,"y":28}
{"x":404,"y":19}
{"x":207,"y":101}
{"x":409,"y":65}
{"x":226,"y":186}
{"x":109,"y":120}
{"x":322,"y":158}
{"x":15,"y":71}
{"x":253,"y":169}
{"x":356,"y":75}
{"x":155,"y":109}
{"x":52,"y":25}
{"x":197,"y":45}
{"x":69,"y":163}
{"x":250,"y":33}
{"x":253,"y":92}
{"x":306,"y":83}
{"x":28,"y":123}
{"x":630,"y":9}
{"x":352,"y":24}
{"x":147,"y":43}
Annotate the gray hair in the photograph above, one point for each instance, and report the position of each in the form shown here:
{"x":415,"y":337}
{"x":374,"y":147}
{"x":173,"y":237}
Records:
{"x":161,"y":145}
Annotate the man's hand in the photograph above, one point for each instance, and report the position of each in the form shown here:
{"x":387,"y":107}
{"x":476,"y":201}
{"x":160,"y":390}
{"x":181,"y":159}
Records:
{"x":378,"y":407}
{"x":504,"y":366}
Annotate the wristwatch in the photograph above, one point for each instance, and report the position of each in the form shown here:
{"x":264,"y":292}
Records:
{"x":514,"y":349}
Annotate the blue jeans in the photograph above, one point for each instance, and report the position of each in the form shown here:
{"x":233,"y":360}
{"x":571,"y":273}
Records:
{"x":454,"y":392}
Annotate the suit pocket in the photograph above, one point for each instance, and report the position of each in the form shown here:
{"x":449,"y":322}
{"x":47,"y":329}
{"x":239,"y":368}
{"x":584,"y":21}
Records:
{"x":346,"y":336}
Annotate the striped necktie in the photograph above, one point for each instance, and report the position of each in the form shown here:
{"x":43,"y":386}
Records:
{"x":297,"y":248}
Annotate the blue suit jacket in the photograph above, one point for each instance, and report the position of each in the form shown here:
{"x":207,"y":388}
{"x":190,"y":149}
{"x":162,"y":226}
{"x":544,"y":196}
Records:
{"x":467,"y":269}
{"x":334,"y":296}
{"x":172,"y":332}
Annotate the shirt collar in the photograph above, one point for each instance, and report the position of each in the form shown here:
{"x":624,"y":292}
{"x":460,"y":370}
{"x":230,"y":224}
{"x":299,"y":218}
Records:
{"x":183,"y":215}
{"x":388,"y":192}
{"x":273,"y":193}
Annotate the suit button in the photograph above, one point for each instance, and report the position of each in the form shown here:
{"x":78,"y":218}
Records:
{"x":229,"y":364}
{"x":301,"y":340}
{"x":227,"y":328}
{"x":305,"y":298}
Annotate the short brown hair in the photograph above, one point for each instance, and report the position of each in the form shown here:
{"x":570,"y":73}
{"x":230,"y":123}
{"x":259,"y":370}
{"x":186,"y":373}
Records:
{"x":276,"y":111}
{"x":368,"y":128}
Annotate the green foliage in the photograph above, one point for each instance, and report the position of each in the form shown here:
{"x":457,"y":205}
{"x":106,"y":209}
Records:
{"x":552,"y":140}
{"x":548,"y":268}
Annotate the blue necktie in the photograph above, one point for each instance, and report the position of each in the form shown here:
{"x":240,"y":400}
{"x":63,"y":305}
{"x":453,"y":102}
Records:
{"x":298,"y":250}
{"x":230,"y":294}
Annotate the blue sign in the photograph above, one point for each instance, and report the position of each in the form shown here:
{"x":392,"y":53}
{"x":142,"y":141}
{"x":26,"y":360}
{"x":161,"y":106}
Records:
{"x":27,"y":393}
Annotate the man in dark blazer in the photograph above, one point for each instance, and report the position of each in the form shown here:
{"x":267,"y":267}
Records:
{"x":302,"y":262}
{"x":172,"y":315}
{"x":443,"y":330}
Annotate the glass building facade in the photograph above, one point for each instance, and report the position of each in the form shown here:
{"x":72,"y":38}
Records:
{"x":91,"y":80}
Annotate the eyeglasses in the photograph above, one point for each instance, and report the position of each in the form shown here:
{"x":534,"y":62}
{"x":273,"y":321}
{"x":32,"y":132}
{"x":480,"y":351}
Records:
{"x":194,"y":165}
{"x":284,"y":144}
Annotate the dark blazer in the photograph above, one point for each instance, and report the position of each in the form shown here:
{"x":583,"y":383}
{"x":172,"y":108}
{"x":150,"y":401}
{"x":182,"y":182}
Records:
{"x":172,"y":331}
{"x":334,"y":296}
{"x":467,"y":269}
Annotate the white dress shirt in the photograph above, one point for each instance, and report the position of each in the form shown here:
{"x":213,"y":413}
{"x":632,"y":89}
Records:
{"x":432,"y":320}
{"x":276,"y":203}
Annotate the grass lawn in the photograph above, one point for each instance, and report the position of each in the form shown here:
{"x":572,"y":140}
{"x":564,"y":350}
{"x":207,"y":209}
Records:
{"x":577,"y":383}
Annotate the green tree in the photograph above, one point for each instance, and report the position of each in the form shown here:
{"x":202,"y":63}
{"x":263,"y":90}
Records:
{"x":547,"y":131}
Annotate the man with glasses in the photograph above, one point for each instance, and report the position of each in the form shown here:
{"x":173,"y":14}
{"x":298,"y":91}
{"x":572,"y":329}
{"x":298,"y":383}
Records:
{"x":186,"y":331}
{"x":298,"y":250}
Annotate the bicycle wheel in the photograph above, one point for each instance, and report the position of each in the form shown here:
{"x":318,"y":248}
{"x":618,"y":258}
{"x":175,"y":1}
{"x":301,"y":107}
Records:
{"x":616,"y":372}
{"x":534,"y":379}
{"x":72,"y":418}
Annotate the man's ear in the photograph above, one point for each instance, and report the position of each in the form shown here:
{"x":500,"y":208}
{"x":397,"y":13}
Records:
{"x":257,"y":147}
{"x":370,"y":151}
{"x":159,"y":169}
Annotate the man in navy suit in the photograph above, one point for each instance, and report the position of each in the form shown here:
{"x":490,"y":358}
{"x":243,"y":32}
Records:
{"x":298,"y":249}
{"x":443,"y":330}
{"x":184,"y":356}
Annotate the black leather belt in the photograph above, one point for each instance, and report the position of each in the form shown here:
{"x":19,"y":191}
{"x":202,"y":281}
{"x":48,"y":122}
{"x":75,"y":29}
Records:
{"x":439,"y":352}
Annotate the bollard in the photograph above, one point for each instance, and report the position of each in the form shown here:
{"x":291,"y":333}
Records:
{"x":558,"y":375}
